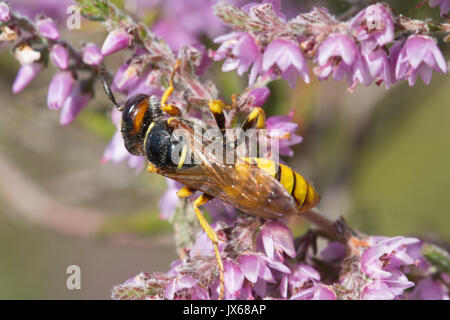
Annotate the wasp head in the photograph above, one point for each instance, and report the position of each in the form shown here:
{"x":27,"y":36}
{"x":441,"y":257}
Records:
{"x":137,"y":115}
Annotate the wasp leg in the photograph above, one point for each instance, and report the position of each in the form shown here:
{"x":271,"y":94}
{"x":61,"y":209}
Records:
{"x":256,"y":117}
{"x":212,"y":235}
{"x":152,"y":169}
{"x":216,"y":107}
{"x":185,"y":192}
{"x":168,"y":108}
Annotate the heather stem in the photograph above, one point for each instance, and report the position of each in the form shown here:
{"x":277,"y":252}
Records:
{"x":328,"y":227}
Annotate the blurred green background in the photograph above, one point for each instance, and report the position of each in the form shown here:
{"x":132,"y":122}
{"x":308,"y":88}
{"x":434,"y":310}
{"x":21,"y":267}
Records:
{"x":379,"y":158}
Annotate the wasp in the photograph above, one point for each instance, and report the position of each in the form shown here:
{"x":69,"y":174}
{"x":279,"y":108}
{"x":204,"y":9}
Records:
{"x":256,"y":186}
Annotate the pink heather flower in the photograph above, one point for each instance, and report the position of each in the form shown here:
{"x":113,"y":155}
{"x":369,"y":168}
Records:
{"x":339,"y":55}
{"x":169,"y":200}
{"x":138,"y":280}
{"x":176,"y":284}
{"x":170,"y":31}
{"x":125,"y":78}
{"x":25,"y":75}
{"x":260,"y":96}
{"x":444,"y":4}
{"x":377,"y":290}
{"x":5,"y":15}
{"x":221,"y":210}
{"x":429,"y":289}
{"x":276,"y":239}
{"x":316,"y":292}
{"x":116,"y":151}
{"x":379,"y":67}
{"x":60,"y":56}
{"x":59,"y":89}
{"x":300,"y":275}
{"x":334,"y":251}
{"x":254,"y":267}
{"x":233,"y":278}
{"x":91,"y":54}
{"x":382,"y":262}
{"x":47,"y":28}
{"x":419,"y":55}
{"x":184,"y":22}
{"x":386,"y":254}
{"x":373,"y":26}
{"x":73,"y":105}
{"x":116,"y":40}
{"x":282,"y":128}
{"x":202,"y":246}
{"x":240,"y":51}
{"x":287,"y":57}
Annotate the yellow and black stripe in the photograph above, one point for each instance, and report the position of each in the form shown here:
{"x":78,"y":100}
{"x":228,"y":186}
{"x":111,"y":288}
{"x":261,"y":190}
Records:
{"x":297,"y":186}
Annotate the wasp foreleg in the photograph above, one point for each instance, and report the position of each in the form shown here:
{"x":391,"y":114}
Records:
{"x":168,"y":108}
{"x":204,"y":198}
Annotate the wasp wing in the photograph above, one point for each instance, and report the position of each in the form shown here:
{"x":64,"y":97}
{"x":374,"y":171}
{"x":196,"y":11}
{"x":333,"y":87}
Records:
{"x":241,"y":183}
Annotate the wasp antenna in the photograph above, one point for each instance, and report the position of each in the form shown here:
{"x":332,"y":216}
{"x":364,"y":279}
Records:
{"x":106,"y":82}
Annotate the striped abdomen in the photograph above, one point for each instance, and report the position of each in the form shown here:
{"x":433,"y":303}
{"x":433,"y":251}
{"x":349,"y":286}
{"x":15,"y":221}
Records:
{"x":299,"y":188}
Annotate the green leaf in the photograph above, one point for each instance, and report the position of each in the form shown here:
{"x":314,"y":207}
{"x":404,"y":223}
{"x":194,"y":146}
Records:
{"x":96,"y":10}
{"x":437,"y":256}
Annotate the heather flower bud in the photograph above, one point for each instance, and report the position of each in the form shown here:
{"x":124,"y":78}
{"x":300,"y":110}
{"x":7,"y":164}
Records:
{"x":5,"y":15}
{"x":47,"y":28}
{"x":125,"y":78}
{"x":116,"y":40}
{"x":60,"y":56}
{"x":25,"y":75}
{"x":59,"y":89}
{"x":73,"y":105}
{"x":260,"y":96}
{"x":25,"y":54}
{"x":92,"y":55}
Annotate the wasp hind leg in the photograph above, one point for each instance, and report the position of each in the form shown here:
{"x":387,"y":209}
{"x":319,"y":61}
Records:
{"x":168,"y":108}
{"x":212,"y":235}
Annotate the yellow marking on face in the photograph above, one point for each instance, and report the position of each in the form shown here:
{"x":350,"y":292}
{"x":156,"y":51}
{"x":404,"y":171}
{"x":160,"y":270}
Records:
{"x":150,"y":127}
{"x":183,"y":156}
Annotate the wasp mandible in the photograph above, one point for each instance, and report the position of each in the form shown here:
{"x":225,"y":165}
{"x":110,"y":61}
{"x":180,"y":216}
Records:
{"x":257,"y":186}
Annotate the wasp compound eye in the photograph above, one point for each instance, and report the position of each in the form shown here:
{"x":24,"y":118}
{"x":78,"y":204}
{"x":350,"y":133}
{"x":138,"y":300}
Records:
{"x":136,"y":118}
